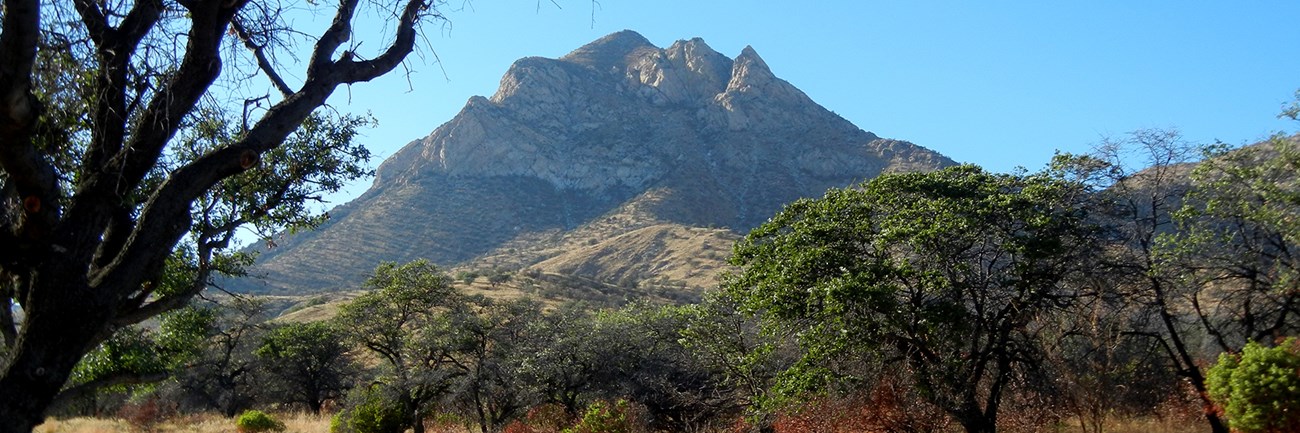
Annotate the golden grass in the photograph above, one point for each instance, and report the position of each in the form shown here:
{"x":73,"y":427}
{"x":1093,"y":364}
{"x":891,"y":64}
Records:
{"x":299,"y":422}
{"x":1154,"y":425}
{"x":203,"y":423}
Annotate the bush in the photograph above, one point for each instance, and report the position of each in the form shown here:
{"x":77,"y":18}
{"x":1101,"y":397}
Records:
{"x":256,"y":421}
{"x":547,"y":418}
{"x":1259,"y":390}
{"x":603,"y":417}
{"x":374,"y":413}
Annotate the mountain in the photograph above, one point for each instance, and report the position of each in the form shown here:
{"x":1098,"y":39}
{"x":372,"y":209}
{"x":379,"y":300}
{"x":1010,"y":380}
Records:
{"x":620,"y":163}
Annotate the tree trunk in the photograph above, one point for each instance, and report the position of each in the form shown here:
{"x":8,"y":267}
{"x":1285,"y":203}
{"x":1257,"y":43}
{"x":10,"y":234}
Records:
{"x":978,"y":424}
{"x":59,"y":329}
{"x":417,"y":421}
{"x":975,"y":420}
{"x":1216,"y":424}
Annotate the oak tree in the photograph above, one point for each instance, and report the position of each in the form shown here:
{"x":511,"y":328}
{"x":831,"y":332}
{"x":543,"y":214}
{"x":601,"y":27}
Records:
{"x":947,"y":273}
{"x":307,"y":363}
{"x":99,"y":185}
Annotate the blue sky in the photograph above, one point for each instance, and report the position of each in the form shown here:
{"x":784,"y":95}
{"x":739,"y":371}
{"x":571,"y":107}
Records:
{"x":998,"y":83}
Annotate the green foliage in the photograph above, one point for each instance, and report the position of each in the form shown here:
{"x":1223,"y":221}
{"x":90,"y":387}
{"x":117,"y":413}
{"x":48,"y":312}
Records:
{"x":603,"y":417}
{"x":300,"y":341}
{"x":145,"y":353}
{"x":306,"y":363}
{"x":130,"y":351}
{"x":499,"y":276}
{"x":182,"y":332}
{"x":403,"y":320}
{"x":401,"y":298}
{"x":467,"y":277}
{"x":1259,"y":389}
{"x":946,"y":270}
{"x":374,"y":413}
{"x":1237,"y":233}
{"x":256,"y":421}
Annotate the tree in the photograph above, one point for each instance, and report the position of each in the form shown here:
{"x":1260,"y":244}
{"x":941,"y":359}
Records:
{"x":946,"y":272}
{"x":398,"y":322}
{"x":1235,"y":251}
{"x":731,"y":344}
{"x":1140,"y":181}
{"x":559,"y":361}
{"x":1202,"y":252}
{"x":223,"y":375}
{"x":96,"y":188}
{"x":484,"y":339}
{"x":307,"y":363}
{"x":649,"y":363}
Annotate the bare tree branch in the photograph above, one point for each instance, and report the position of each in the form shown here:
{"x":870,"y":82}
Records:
{"x":263,"y":63}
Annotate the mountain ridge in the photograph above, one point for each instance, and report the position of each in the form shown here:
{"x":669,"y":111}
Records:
{"x":615,"y":137}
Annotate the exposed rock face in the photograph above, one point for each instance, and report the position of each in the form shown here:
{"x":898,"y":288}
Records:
{"x":618,"y":135}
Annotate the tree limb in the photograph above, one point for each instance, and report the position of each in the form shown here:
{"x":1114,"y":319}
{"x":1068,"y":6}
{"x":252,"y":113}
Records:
{"x":30,"y":175}
{"x":339,"y":32}
{"x":165,"y":218}
{"x":80,"y":391}
{"x":115,"y":48}
{"x":259,"y":52}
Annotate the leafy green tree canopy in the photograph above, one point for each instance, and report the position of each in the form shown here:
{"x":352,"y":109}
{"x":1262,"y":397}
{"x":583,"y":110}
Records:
{"x":945,"y":271}
{"x":308,"y":363}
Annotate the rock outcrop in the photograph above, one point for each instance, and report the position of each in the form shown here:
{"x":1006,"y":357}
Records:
{"x":571,"y":153}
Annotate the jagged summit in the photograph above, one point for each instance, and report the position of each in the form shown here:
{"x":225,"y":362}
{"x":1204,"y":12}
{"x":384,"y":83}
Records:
{"x":613,"y":138}
{"x":611,"y":50}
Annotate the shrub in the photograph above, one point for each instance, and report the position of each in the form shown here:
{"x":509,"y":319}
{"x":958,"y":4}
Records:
{"x":256,"y":421}
{"x":549,"y":417}
{"x":374,"y":413}
{"x":603,"y":417}
{"x":1259,"y":389}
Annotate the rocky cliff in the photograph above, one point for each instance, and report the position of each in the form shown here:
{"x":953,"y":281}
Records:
{"x":586,"y":163}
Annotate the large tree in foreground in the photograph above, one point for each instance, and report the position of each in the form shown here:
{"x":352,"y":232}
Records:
{"x":100,"y":180}
{"x":945,"y":273}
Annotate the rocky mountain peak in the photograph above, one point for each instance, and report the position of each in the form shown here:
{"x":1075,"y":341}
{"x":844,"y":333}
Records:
{"x":616,"y":136}
{"x":611,"y":50}
{"x":752,"y":79}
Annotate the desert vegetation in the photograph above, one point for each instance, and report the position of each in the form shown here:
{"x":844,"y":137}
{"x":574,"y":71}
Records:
{"x":1082,"y":297}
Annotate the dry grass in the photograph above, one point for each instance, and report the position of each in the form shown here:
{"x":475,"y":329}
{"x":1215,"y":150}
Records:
{"x":204,"y":423}
{"x":307,"y":423}
{"x":1155,"y":425}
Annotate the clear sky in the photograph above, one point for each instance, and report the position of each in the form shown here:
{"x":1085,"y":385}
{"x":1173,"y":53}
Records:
{"x":996,"y":83}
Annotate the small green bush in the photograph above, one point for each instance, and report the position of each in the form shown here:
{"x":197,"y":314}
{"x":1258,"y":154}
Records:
{"x":256,"y":421}
{"x":1259,"y":390}
{"x":374,"y":413}
{"x":603,"y":417}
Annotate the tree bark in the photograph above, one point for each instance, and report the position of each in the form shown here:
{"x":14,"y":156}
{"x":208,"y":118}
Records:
{"x":51,"y":343}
